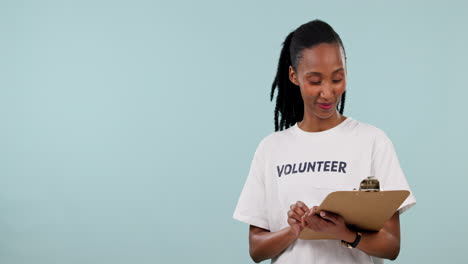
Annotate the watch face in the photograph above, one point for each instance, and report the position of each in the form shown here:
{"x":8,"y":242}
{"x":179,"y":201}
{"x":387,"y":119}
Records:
{"x":346,"y":244}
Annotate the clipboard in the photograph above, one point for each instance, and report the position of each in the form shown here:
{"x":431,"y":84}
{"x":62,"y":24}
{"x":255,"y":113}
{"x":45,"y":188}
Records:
{"x":363,"y":210}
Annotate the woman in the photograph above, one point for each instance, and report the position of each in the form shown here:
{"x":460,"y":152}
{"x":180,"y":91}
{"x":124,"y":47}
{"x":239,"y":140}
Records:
{"x":316,"y":150}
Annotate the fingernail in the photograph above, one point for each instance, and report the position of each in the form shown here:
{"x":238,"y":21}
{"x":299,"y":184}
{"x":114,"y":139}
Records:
{"x":322,"y":213}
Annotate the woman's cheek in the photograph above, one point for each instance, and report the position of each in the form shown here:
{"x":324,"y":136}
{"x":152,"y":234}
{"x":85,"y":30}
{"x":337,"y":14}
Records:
{"x":343,"y":86}
{"x":311,"y":91}
{"x":339,"y":89}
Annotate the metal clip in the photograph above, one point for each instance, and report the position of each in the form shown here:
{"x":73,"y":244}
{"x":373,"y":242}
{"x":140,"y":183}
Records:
{"x":370,"y":184}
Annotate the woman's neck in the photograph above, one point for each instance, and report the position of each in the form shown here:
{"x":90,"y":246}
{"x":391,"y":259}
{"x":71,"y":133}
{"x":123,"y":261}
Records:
{"x":315,"y":124}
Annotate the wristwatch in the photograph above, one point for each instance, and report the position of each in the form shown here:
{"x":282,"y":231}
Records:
{"x":355,"y":243}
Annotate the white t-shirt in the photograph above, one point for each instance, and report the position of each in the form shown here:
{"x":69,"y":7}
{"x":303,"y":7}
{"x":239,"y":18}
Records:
{"x":295,"y":165}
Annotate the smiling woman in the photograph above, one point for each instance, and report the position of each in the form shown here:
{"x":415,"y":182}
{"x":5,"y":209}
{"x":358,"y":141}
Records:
{"x":321,"y":78}
{"x":310,"y":126}
{"x":312,"y":63}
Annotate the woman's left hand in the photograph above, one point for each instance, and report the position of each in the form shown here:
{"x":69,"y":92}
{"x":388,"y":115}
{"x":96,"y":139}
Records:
{"x":327,"y":222}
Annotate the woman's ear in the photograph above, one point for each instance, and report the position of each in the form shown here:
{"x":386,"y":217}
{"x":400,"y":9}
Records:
{"x":293,"y":76}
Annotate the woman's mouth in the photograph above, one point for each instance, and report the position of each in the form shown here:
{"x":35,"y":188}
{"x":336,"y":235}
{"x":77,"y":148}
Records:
{"x":325,"y":106}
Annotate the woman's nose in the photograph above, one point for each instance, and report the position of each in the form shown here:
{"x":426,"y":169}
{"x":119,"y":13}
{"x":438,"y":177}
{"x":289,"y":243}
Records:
{"x":326,"y":92}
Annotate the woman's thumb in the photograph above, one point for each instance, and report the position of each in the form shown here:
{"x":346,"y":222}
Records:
{"x":328,"y":216}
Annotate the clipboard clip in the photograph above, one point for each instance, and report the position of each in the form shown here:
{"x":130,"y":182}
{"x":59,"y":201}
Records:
{"x":369,"y":184}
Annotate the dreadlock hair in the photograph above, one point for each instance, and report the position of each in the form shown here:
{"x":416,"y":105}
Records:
{"x":289,"y":101}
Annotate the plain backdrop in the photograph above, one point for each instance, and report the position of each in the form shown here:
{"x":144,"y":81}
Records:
{"x":127,"y":128}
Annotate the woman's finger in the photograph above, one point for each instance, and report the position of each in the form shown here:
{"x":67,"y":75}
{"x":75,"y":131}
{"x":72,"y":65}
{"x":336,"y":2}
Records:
{"x":294,"y":215}
{"x":292,"y":221}
{"x":302,"y":205}
{"x":313,"y":211}
{"x":329,"y":216}
{"x":298,"y":209}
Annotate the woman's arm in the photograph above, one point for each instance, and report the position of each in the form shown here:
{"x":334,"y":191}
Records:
{"x":264,"y":244}
{"x":384,"y":243}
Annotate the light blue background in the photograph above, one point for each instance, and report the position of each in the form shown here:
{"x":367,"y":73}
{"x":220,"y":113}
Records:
{"x":127,"y":128}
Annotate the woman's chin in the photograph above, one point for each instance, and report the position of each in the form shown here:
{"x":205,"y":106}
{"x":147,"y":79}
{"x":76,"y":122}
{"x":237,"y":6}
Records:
{"x":330,"y":115}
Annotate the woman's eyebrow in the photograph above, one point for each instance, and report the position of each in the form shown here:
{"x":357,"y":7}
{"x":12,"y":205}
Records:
{"x":319,"y":73}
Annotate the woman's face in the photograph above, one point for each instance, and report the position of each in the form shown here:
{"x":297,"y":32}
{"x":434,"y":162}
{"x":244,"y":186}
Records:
{"x":321,"y":76}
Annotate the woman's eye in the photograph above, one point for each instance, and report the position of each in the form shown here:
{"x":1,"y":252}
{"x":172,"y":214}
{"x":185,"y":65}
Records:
{"x":337,"y":81}
{"x":315,"y":83}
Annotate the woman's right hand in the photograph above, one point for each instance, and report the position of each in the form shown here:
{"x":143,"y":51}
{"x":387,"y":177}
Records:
{"x":295,"y":219}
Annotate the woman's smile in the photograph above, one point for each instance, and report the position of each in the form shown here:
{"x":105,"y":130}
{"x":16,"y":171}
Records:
{"x":325,"y":106}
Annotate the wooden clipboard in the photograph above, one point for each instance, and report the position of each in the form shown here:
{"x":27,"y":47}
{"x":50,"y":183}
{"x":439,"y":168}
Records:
{"x":363,"y":210}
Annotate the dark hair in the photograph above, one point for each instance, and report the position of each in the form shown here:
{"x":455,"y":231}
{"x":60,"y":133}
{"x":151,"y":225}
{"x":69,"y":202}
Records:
{"x":289,"y":101}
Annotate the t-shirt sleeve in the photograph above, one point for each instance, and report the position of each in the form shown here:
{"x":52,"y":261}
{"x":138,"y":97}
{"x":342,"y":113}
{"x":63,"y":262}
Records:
{"x":251,"y":206}
{"x":386,"y":168}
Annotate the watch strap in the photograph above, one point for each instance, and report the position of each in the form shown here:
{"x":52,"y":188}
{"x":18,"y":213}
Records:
{"x":355,"y":243}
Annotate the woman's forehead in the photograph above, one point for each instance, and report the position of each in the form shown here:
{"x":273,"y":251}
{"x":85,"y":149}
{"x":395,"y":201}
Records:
{"x":322,"y":58}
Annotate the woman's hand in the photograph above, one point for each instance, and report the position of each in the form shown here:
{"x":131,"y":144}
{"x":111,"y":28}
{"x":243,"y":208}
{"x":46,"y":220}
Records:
{"x":295,"y":216}
{"x":326,"y":222}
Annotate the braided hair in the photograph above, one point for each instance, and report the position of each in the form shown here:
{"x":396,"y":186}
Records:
{"x":289,"y":101}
